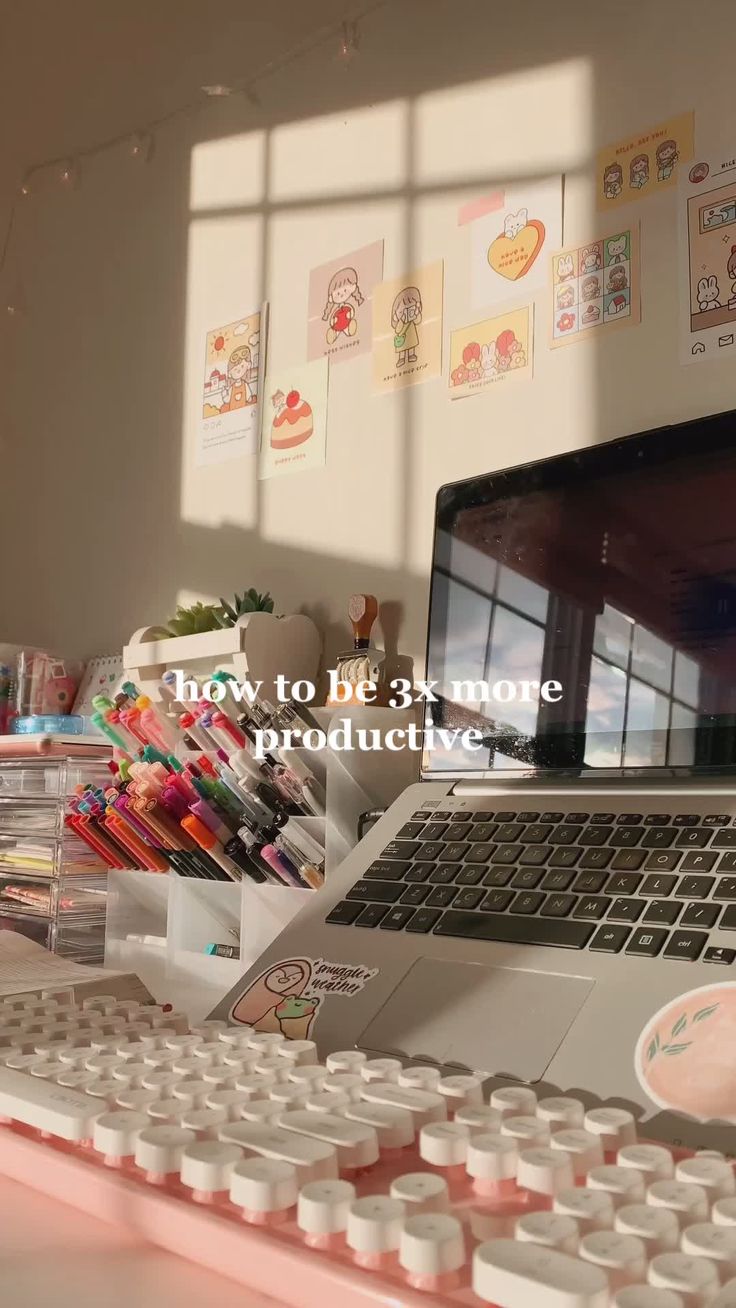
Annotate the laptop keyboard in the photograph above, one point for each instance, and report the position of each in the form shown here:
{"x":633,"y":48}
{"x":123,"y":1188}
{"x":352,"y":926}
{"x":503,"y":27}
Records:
{"x":643,"y":885}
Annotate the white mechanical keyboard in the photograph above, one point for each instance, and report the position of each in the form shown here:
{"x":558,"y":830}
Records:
{"x":362,"y":1180}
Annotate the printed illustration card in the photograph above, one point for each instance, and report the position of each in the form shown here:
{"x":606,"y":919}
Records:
{"x":407,"y":329}
{"x":509,"y":244}
{"x":491,"y":352}
{"x":340,"y":300}
{"x":229,"y":424}
{"x":596,"y":287}
{"x":644,"y":163}
{"x":708,"y":259}
{"x":294,"y":423}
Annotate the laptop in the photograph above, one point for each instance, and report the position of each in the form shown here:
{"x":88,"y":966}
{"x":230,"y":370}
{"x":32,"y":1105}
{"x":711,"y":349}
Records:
{"x":555,"y":906}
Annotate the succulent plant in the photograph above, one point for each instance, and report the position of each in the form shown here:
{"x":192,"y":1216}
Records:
{"x":249,"y":602}
{"x":197,"y":617}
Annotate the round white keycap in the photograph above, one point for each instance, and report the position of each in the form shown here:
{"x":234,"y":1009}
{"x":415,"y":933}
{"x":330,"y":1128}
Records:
{"x":264,"y":1185}
{"x":657,"y":1227}
{"x":375,"y":1224}
{"x":480,"y":1118}
{"x":615,"y":1126}
{"x":288,"y":1094}
{"x":48,"y":1071}
{"x":260,"y":1110}
{"x":76,"y":1079}
{"x":514,"y":1101}
{"x":707,"y":1240}
{"x":527,"y":1130}
{"x":654,"y":1162}
{"x":192,"y":1089}
{"x":645,"y":1296}
{"x":255,"y":1086}
{"x":421,"y":1192}
{"x":592,"y":1209}
{"x":518,"y":1274}
{"x":102,"y":1064}
{"x":230,"y":1100}
{"x":130,"y":1074}
{"x":345,"y":1083}
{"x":238,"y":1063}
{"x":328,"y":1101}
{"x":550,"y":1229}
{"x":311,"y":1077}
{"x":695,"y":1278}
{"x":346,"y":1060}
{"x":716,"y":1176}
{"x":560,"y":1112}
{"x":158,"y":1059}
{"x":724,"y":1212}
{"x":419,"y":1078}
{"x":105,"y":1091}
{"x":265,"y":1042}
{"x":74,"y":1056}
{"x":206,"y":1165}
{"x":583,"y":1149}
{"x":236,"y":1037}
{"x":205,"y":1122}
{"x":191,"y":1066}
{"x":461,"y":1091}
{"x":690,"y":1201}
{"x":270,"y":1065}
{"x":218,"y":1076}
{"x":134,"y":1050}
{"x":444,"y":1144}
{"x":381,"y":1069}
{"x":167,"y":1112}
{"x":211,"y":1029}
{"x":491,"y":1157}
{"x":624,"y":1255}
{"x":393,"y":1126}
{"x":545,"y":1171}
{"x":323,"y":1206}
{"x":136,"y":1101}
{"x":159,"y":1148}
{"x":431,"y":1245}
{"x":624,"y":1184}
{"x":115,"y":1134}
{"x":212,"y":1050}
{"x":183,"y":1043}
{"x":155,"y":1079}
{"x":100,"y":1003}
{"x":298,"y":1053}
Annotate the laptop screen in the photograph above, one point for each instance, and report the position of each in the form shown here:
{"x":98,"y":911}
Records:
{"x":583,"y":610}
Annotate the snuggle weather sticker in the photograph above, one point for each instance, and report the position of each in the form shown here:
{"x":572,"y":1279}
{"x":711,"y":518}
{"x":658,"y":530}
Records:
{"x":506,"y":243}
{"x":286,"y":997}
{"x":685,"y":1057}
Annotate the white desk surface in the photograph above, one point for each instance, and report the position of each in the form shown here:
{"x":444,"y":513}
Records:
{"x":51,"y":1253}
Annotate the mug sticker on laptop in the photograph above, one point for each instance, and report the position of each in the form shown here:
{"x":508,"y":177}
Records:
{"x":686,"y":1055}
{"x":286,"y":997}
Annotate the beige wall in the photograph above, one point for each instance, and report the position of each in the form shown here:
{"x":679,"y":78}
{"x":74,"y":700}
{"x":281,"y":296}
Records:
{"x":108,"y":521}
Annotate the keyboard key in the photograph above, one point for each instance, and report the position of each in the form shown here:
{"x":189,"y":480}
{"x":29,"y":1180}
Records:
{"x":506,"y":854}
{"x":665,"y":861}
{"x":519,"y":1274}
{"x":443,"y":874}
{"x":694,"y":838}
{"x":371,"y":915}
{"x":423,"y":920}
{"x":664,"y":912}
{"x":577,"y":819}
{"x":592,"y":906}
{"x":590,"y":883}
{"x":534,"y":855}
{"x":503,"y":816}
{"x":527,"y":903}
{"x":628,"y":860}
{"x":498,"y":876}
{"x":429,"y":851}
{"x":419,"y":872}
{"x":405,"y":849}
{"x":434,"y":831}
{"x":595,"y":835}
{"x":727,"y":863}
{"x":658,"y":886}
{"x":563,"y":835}
{"x":483,"y":831}
{"x":716,"y":820}
{"x":685,"y":820}
{"x":441,"y":896}
{"x":610,"y":939}
{"x":726,"y":888}
{"x":646,"y":942}
{"x":565,"y":857}
{"x":656,"y":819}
{"x":536,"y":833}
{"x":384,"y":870}
{"x":344,"y":914}
{"x":422,"y":816}
{"x":695,"y":887}
{"x":717,"y":955}
{"x":686,"y":944}
{"x":704,"y":916}
{"x":626,"y":910}
{"x":516,"y":929}
{"x":457,"y":831}
{"x":551,"y":817}
{"x":527,"y":817}
{"x":509,"y":831}
{"x":659,"y":837}
{"x":623,"y":883}
{"x":378,"y":892}
{"x":496,"y":901}
{"x":699,"y":862}
{"x":44,"y":1105}
{"x":410,"y":831}
{"x":480,"y":853}
{"x":626,"y":837}
{"x":469,"y":875}
{"x":557,"y":879}
{"x":595,"y":858}
{"x":724,"y":839}
{"x":455,"y":851}
{"x":527,"y":878}
{"x":558,"y":905}
{"x":415,"y":895}
{"x":628,"y":819}
{"x":728,"y":921}
{"x":603,"y":819}
{"x":470,"y":898}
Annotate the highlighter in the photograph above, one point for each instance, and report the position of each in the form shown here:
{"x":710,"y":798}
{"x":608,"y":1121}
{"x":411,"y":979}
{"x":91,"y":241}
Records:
{"x":208,"y":841}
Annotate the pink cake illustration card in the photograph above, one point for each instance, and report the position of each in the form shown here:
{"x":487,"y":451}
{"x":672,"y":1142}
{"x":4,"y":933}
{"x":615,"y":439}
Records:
{"x":294,"y":421}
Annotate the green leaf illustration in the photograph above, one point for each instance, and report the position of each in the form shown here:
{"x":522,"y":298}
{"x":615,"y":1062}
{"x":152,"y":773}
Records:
{"x":702,"y":1013}
{"x":676,"y":1049}
{"x":680,"y":1025}
{"x":651,"y":1050}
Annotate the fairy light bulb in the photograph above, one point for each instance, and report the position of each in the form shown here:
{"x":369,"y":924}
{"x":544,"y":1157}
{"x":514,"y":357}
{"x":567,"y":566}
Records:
{"x":349,"y":41}
{"x":69,"y":174}
{"x":141,"y":146}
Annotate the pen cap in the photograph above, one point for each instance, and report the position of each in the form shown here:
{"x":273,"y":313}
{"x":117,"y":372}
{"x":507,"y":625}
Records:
{"x":202,"y":834}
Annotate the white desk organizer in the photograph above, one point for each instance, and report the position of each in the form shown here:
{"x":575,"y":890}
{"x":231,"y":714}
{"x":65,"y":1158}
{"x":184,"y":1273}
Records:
{"x":258,"y":647}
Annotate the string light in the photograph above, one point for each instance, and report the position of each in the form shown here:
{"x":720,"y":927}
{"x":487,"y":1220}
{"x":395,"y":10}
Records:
{"x":69,"y":174}
{"x":349,"y":42}
{"x":217,"y":91}
{"x":25,"y":187}
{"x":142,"y":146}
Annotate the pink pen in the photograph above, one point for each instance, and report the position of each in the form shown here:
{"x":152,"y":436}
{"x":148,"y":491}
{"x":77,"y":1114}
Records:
{"x":270,"y":855}
{"x":154,"y":721}
{"x":130,"y":719}
{"x":150,"y":724}
{"x":188,"y":723}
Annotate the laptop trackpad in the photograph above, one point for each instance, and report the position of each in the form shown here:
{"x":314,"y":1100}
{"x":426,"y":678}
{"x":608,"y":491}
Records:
{"x":498,"y":1020}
